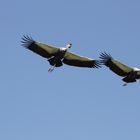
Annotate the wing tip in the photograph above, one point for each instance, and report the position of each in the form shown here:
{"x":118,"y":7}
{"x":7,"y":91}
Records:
{"x":105,"y":57}
{"x":27,"y":41}
{"x":97,"y":64}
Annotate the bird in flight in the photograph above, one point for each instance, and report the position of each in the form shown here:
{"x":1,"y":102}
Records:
{"x":130,"y":74}
{"x":58,"y":56}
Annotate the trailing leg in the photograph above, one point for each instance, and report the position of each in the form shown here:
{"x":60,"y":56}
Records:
{"x":51,"y":68}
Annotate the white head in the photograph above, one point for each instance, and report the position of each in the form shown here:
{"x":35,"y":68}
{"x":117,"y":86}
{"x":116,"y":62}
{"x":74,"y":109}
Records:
{"x":69,"y":45}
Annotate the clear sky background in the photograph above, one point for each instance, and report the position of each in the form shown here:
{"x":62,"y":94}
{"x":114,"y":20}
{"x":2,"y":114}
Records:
{"x":70,"y":103}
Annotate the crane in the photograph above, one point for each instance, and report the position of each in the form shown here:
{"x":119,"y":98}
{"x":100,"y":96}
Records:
{"x":130,"y":74}
{"x":58,"y":56}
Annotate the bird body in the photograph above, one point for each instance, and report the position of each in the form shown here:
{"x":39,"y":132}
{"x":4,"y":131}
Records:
{"x":57,"y":56}
{"x":130,"y":74}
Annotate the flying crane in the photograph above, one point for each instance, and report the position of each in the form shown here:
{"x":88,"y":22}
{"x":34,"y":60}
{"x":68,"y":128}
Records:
{"x":130,"y":74}
{"x":57,"y":56}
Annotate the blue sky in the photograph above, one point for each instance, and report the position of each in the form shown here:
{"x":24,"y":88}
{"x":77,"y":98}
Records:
{"x":70,"y":103}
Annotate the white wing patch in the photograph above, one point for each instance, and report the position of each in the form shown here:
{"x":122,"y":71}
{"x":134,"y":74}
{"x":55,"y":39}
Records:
{"x":136,"y":69}
{"x":63,"y":49}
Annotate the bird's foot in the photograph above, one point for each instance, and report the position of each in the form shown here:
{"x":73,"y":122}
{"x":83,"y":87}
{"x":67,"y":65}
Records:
{"x":125,"y":84}
{"x":51,"y":68}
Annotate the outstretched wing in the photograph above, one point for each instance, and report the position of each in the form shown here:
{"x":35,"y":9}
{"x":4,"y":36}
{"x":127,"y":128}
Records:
{"x":114,"y":65}
{"x":80,"y":61}
{"x":39,"y":48}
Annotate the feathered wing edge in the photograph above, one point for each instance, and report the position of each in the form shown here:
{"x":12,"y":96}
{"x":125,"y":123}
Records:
{"x":97,"y":64}
{"x":105,"y":58}
{"x":27,"y":41}
{"x":43,"y":50}
{"x":114,"y":65}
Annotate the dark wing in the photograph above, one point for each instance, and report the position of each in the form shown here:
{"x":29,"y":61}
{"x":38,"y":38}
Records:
{"x":80,"y":61}
{"x":114,"y":65}
{"x":39,"y":48}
